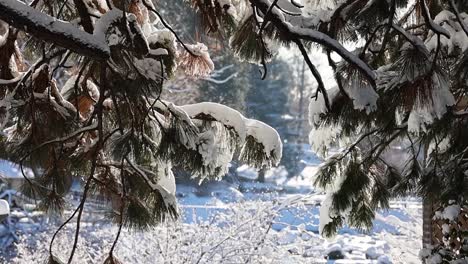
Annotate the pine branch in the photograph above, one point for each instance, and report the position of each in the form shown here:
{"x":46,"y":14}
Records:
{"x":430,"y":23}
{"x":47,"y":28}
{"x":297,"y":33}
{"x":315,"y":73}
{"x":99,"y":145}
{"x":457,"y":14}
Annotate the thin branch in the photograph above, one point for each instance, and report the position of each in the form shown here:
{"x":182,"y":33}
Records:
{"x":457,"y":14}
{"x":297,"y":33}
{"x":166,"y":25}
{"x":315,"y":72}
{"x":430,"y":23}
{"x":100,"y":143}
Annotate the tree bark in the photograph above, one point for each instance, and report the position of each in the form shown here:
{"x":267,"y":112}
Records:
{"x":261,"y":175}
{"x":428,"y":207}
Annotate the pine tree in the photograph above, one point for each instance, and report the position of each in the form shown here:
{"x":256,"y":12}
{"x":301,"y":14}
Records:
{"x":82,"y":99}
{"x":416,"y":102}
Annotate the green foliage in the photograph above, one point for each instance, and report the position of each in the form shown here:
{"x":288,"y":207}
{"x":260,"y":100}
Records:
{"x":253,"y":153}
{"x":248,"y":45}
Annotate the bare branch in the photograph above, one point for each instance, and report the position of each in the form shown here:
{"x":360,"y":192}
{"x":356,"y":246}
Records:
{"x":318,"y":78}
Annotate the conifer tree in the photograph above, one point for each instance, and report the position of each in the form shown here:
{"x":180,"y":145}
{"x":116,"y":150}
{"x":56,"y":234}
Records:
{"x":80,"y":86}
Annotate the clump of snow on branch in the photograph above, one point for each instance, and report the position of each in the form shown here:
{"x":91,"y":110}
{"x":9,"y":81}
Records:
{"x":226,"y":115}
{"x":234,"y":8}
{"x":450,"y":213}
{"x":166,"y":178}
{"x":149,"y":68}
{"x":424,"y":111}
{"x":319,"y":11}
{"x":91,"y":43}
{"x":458,"y":38}
{"x":321,"y":138}
{"x":260,"y":132}
{"x":4,"y":207}
{"x":361,"y":92}
{"x":266,"y":136}
{"x":317,"y":105}
{"x":165,"y":37}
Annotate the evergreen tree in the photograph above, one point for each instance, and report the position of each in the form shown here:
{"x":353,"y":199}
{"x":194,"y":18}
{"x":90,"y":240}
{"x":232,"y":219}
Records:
{"x":83,"y":101}
{"x":81,"y":84}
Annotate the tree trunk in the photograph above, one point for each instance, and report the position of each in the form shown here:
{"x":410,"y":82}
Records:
{"x":261,"y":175}
{"x":427,"y":222}
{"x":301,"y":99}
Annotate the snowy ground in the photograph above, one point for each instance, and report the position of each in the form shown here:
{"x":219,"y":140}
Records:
{"x":273,"y":222}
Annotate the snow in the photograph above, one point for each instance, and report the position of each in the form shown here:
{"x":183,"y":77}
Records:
{"x":450,"y":212}
{"x":221,"y":225}
{"x":166,"y":178}
{"x":319,"y":11}
{"x":226,"y":115}
{"x":261,"y":132}
{"x":458,"y":38}
{"x":4,"y":207}
{"x":268,"y":137}
{"x":215,"y":149}
{"x":384,"y":260}
{"x":325,"y":213}
{"x":321,"y":138}
{"x":317,"y":105}
{"x":10,"y":170}
{"x":425,"y":111}
{"x":372,"y":253}
{"x":103,"y":24}
{"x":149,"y":67}
{"x":165,"y":37}
{"x":4,"y":31}
{"x":68,"y":88}
{"x":247,"y":172}
{"x":64,"y":31}
{"x":361,"y":92}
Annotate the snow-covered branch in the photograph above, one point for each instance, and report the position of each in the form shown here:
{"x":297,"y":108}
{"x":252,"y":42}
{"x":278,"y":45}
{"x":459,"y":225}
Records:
{"x":296,"y":32}
{"x":50,"y":29}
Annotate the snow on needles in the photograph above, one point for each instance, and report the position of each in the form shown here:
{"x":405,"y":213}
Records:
{"x":424,"y":113}
{"x":55,"y":26}
{"x":261,"y":132}
{"x":458,"y":38}
{"x":317,"y":106}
